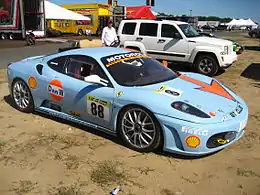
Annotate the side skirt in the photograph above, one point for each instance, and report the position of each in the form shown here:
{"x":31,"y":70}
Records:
{"x":73,"y":119}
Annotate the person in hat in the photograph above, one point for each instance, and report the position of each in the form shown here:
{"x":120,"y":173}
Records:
{"x":109,"y":34}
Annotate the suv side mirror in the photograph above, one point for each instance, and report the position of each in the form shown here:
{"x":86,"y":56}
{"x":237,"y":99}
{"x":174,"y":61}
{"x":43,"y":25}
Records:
{"x":96,"y":80}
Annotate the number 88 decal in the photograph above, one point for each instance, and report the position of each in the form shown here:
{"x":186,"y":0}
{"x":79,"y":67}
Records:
{"x":97,"y":110}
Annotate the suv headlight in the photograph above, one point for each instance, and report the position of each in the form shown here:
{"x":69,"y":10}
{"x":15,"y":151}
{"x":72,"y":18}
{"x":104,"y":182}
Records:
{"x":184,"y":107}
{"x":225,"y":52}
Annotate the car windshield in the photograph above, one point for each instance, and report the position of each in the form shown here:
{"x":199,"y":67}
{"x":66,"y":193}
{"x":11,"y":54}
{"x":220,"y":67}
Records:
{"x":136,"y":69}
{"x":188,"y":30}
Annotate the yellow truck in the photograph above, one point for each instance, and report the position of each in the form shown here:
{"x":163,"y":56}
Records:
{"x":59,"y":27}
{"x":98,"y":13}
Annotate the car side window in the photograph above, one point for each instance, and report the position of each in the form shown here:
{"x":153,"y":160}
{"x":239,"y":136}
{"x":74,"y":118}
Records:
{"x":80,"y":66}
{"x":58,"y":63}
{"x":148,"y":29}
{"x":129,"y":28}
{"x":169,"y":31}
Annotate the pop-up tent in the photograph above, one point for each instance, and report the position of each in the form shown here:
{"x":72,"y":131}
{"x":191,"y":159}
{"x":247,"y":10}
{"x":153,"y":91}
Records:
{"x":53,"y":11}
{"x":140,"y":12}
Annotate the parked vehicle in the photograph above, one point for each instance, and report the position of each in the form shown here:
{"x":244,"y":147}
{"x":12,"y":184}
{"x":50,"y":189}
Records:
{"x":177,"y":41}
{"x":222,"y":27}
{"x":60,"y":27}
{"x":254,"y":32}
{"x":19,"y":18}
{"x":132,"y":96}
{"x":208,"y":27}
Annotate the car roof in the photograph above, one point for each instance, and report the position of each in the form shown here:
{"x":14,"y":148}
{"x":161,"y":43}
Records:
{"x":165,"y":21}
{"x":96,"y":52}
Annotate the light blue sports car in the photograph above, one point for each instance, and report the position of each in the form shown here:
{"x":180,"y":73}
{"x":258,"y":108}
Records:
{"x":126,"y":93}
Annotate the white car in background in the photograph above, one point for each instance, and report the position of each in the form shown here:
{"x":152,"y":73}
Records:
{"x":177,"y":41}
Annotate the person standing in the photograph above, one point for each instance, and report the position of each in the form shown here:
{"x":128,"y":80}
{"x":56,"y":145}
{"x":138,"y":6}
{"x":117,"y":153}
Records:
{"x":109,"y":34}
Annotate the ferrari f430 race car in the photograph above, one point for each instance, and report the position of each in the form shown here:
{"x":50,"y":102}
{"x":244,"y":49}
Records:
{"x":132,"y":95}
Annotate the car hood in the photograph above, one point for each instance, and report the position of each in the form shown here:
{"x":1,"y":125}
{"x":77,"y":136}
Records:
{"x":211,"y":41}
{"x":203,"y":93}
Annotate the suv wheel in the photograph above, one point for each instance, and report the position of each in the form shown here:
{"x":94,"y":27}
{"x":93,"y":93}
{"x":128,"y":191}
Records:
{"x":207,"y":65}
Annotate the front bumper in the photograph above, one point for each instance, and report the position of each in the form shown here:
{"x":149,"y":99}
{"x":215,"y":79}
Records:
{"x":186,"y":138}
{"x":228,"y":60}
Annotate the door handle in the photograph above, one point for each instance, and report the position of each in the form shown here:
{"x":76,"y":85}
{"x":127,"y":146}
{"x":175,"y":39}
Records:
{"x":139,"y":39}
{"x":161,"y":41}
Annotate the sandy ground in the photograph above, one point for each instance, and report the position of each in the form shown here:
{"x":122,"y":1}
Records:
{"x":39,"y":155}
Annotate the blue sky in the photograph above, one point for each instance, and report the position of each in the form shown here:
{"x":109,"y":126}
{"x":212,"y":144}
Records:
{"x":222,"y":8}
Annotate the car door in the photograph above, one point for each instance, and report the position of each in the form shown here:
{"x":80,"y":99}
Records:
{"x":171,"y":44}
{"x":147,"y":35}
{"x":87,"y":101}
{"x":50,"y":81}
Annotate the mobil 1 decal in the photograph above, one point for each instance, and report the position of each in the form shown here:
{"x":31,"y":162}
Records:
{"x":98,"y":107}
{"x":55,"y":90}
{"x":114,"y":59}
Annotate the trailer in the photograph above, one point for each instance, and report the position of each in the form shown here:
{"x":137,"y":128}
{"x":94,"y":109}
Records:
{"x":19,"y":18}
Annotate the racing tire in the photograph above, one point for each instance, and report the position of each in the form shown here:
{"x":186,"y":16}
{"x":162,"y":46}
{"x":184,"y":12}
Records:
{"x":80,"y":32}
{"x":22,"y":97}
{"x":206,"y":65}
{"x":142,"y":134}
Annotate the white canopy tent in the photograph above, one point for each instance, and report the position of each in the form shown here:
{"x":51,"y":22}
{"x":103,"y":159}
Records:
{"x":242,"y":22}
{"x":53,"y":11}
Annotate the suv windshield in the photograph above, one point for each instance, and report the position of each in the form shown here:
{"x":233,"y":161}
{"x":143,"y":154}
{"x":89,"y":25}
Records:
{"x":136,"y":69}
{"x":188,"y":30}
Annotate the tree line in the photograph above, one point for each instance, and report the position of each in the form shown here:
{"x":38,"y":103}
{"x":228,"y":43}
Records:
{"x":203,"y":18}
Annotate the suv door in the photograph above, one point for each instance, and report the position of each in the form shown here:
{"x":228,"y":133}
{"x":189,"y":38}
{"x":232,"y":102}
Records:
{"x":147,"y":34}
{"x":171,"y":44}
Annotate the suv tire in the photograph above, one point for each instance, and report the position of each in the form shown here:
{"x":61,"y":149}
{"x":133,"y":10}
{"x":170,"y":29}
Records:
{"x":206,"y":65}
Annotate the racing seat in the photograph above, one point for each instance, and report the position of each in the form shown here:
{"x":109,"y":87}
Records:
{"x":74,"y":70}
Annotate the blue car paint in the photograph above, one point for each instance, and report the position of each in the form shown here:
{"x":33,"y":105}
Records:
{"x":171,"y":120}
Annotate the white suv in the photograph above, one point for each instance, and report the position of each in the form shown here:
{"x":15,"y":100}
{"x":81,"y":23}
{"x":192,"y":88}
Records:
{"x":177,"y":41}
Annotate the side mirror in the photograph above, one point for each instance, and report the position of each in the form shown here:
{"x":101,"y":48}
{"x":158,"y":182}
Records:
{"x":96,"y":80}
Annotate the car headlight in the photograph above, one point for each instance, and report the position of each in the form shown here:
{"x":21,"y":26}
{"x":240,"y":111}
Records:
{"x":184,"y":107}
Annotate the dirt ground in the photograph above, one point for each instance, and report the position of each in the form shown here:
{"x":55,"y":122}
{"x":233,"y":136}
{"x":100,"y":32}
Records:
{"x":39,"y":155}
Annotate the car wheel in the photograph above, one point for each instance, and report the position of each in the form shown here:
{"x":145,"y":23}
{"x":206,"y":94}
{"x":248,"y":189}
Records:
{"x":207,"y":65}
{"x":80,"y":32}
{"x":11,"y":36}
{"x":3,"y":36}
{"x":22,"y":96}
{"x":139,"y":129}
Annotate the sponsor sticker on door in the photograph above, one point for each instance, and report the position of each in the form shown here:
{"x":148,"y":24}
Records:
{"x":55,"y":90}
{"x":98,"y":108}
